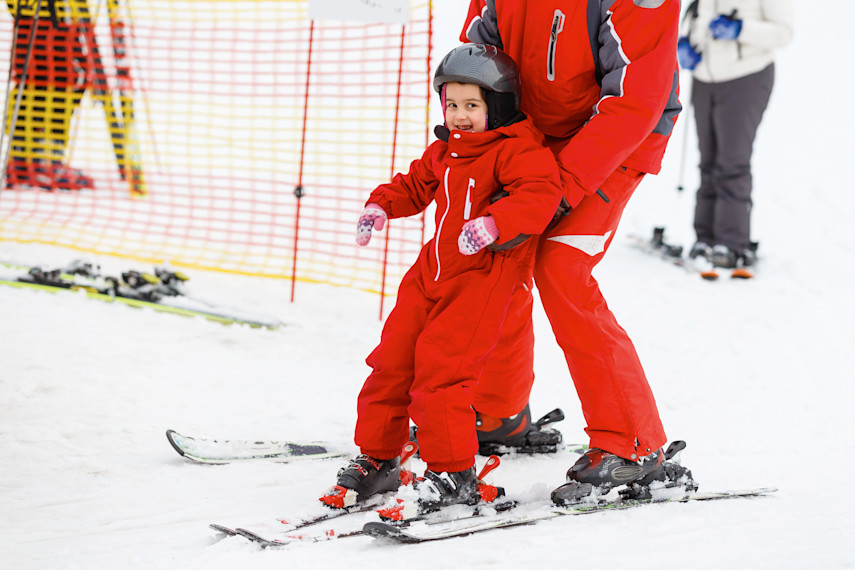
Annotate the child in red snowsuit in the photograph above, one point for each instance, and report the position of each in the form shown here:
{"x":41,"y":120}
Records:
{"x":453,"y":300}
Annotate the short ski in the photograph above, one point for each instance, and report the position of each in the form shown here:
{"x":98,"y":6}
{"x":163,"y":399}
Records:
{"x":292,"y":526}
{"x":281,"y":542}
{"x":219,"y":451}
{"x":294,"y":533}
{"x":425,"y":532}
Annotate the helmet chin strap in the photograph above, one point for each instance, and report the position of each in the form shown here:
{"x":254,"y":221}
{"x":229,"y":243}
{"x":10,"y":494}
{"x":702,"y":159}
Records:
{"x":442,"y":102}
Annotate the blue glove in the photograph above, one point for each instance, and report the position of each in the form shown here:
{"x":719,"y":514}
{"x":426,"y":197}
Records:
{"x":686,"y":54}
{"x":725,"y":28}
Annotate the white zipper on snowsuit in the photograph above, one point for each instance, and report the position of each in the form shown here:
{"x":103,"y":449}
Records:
{"x":441,"y":222}
{"x":557,"y":28}
{"x":467,"y":210}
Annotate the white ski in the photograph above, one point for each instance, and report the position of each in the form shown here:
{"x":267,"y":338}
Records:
{"x":220,"y":451}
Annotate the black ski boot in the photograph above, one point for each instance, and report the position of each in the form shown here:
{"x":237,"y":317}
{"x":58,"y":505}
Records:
{"x":438,"y":490}
{"x":517,"y":433}
{"x":666,"y":249}
{"x":362,"y":478}
{"x":83,"y":268}
{"x":173,"y":281}
{"x":701,"y":249}
{"x":602,"y":471}
{"x":670,"y":475}
{"x":724,"y":256}
{"x":749,"y":255}
{"x":140,"y":285}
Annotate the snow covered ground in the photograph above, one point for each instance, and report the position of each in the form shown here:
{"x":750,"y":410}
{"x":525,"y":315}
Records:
{"x":756,"y":376}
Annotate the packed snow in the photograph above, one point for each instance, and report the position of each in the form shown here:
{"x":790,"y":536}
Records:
{"x":755,"y":375}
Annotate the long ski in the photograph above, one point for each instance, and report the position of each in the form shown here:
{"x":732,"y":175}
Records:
{"x":417,"y":533}
{"x":657,"y":246}
{"x":154,"y":295}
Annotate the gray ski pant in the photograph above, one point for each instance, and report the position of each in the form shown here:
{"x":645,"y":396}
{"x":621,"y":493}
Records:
{"x":727,"y":115}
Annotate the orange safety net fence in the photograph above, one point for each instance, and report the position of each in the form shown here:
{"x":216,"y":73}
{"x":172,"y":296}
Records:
{"x":234,"y":135}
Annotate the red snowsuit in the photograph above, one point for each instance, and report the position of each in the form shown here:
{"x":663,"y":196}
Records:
{"x":606,"y":133}
{"x":450,"y":307}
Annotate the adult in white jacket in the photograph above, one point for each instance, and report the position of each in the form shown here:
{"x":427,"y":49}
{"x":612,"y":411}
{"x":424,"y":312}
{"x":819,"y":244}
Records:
{"x":730,"y":47}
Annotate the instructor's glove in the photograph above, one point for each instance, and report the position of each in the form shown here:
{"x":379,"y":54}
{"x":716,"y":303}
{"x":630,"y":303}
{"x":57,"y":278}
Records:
{"x":725,"y":27}
{"x":373,"y":217}
{"x":477,"y":234}
{"x":686,"y":54}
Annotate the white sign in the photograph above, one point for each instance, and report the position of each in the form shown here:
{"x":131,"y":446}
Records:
{"x":372,"y":11}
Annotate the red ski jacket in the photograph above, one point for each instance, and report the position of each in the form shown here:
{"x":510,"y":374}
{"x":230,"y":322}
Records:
{"x":597,"y":116}
{"x":462,"y":175}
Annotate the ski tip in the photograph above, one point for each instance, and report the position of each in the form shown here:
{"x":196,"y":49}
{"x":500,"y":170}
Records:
{"x":223,"y":529}
{"x":741,"y":273}
{"x":170,"y":436}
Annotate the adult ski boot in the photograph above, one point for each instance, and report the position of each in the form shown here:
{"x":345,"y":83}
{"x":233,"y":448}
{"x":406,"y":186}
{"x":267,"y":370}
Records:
{"x":724,"y":256}
{"x":597,"y":472}
{"x":518,"y":433}
{"x":702,"y":250}
{"x":365,"y":477}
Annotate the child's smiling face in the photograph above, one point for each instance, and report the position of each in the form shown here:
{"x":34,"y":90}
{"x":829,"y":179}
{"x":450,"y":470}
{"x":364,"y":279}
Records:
{"x":465,"y":108}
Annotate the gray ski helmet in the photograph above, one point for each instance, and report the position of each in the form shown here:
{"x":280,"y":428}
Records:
{"x":490,"y":68}
{"x":481,"y":64}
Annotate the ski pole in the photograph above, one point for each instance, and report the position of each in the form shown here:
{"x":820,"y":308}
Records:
{"x":687,"y":126}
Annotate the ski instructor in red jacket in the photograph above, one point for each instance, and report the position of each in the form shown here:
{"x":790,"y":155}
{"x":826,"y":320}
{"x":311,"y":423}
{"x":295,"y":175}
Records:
{"x":600,"y":80}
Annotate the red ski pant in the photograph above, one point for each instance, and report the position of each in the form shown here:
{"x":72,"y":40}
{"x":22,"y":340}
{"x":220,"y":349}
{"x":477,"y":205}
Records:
{"x":616,"y":399}
{"x":432,"y":350}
